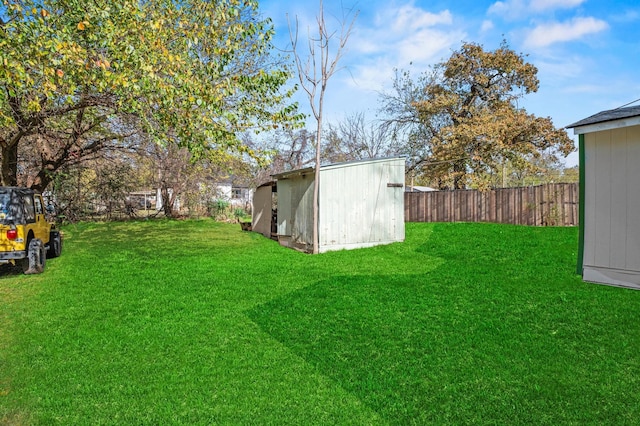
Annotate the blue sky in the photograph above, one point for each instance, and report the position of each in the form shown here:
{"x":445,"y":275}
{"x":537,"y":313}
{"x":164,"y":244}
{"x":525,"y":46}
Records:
{"x":587,"y":51}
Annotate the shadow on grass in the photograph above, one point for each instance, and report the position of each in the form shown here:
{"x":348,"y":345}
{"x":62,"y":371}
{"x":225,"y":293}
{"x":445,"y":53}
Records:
{"x":502,"y":332}
{"x":9,"y":270}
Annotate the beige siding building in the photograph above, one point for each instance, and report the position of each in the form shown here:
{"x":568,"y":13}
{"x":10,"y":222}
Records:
{"x":610,"y":197}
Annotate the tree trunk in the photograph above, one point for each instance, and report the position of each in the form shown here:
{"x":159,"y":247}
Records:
{"x":44,"y":177}
{"x":167,"y":201}
{"x":316,"y":186}
{"x":10,"y":165}
{"x":459,"y":173}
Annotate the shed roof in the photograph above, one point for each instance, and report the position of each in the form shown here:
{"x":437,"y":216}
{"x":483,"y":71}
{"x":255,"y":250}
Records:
{"x":606,"y":120}
{"x":291,"y":173}
{"x":307,"y":170}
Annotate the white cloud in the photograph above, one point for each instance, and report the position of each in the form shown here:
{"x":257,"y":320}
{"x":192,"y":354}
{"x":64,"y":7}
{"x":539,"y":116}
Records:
{"x":398,"y":37}
{"x":510,"y":9}
{"x":561,"y":69}
{"x":628,"y":16}
{"x":548,"y":34}
{"x":370,"y":77}
{"x":410,"y":18}
{"x":487,"y":25}
{"x":514,"y":9}
{"x":424,"y":46}
{"x":540,"y":5}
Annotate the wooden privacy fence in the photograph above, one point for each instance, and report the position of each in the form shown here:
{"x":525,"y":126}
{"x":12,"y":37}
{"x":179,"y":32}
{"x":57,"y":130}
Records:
{"x":553,"y":204}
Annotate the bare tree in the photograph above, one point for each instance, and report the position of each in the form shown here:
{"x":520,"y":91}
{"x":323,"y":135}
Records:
{"x":355,"y":138}
{"x":173,"y":172}
{"x":314,"y":72}
{"x":293,"y":149}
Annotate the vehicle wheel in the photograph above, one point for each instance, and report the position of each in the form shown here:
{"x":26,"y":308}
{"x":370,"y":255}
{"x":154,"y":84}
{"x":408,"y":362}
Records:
{"x":55,"y":245}
{"x":36,"y":257}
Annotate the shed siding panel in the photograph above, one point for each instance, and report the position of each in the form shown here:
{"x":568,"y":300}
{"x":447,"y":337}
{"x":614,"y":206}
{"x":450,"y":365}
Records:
{"x":262,"y":204}
{"x":612,"y":203}
{"x":302,"y":204}
{"x":358,"y":208}
{"x":618,"y":190}
{"x":633,"y":199}
{"x":611,"y":199}
{"x":602,"y":199}
{"x":285,"y":209}
{"x":589,"y":201}
{"x":335,"y":197}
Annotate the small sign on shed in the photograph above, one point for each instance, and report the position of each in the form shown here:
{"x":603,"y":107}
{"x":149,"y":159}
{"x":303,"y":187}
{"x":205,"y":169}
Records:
{"x":609,"y":248}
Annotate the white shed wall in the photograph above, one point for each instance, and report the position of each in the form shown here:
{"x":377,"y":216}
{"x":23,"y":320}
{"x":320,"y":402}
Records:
{"x":285,"y":213}
{"x":295,"y":213}
{"x":612,"y":207}
{"x":261,"y":213}
{"x":358,"y":208}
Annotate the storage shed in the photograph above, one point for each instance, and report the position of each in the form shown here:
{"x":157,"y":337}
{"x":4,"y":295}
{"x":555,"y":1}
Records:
{"x":609,"y":247}
{"x":360,"y":204}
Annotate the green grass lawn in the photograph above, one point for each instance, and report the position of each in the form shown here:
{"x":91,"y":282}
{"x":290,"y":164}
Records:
{"x":197,"y":322}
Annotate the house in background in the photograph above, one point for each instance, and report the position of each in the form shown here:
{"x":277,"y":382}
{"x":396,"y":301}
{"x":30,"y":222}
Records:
{"x":360,"y":204}
{"x":609,"y":247}
{"x":235,"y":194}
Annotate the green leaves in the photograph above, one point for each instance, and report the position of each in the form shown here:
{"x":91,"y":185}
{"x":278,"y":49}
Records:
{"x":197,"y":72}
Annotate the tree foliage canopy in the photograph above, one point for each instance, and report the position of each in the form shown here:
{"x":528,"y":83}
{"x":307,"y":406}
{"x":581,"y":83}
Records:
{"x":76,"y":76}
{"x":462,"y":120}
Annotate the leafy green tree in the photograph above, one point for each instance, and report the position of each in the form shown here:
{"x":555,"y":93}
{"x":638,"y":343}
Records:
{"x":77,"y":77}
{"x":461,"y":119}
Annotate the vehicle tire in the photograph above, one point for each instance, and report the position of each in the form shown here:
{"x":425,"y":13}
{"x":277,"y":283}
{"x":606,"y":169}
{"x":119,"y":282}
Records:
{"x":55,"y":245}
{"x":35,"y":261}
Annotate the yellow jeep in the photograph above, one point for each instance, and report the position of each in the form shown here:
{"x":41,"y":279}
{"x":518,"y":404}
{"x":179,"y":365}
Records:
{"x":26,"y":237}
